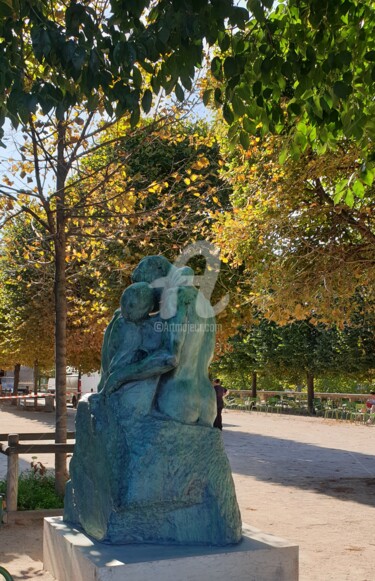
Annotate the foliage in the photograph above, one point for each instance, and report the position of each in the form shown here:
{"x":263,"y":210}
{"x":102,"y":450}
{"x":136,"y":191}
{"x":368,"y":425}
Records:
{"x":151,"y":191}
{"x":36,"y":490}
{"x":83,"y":50}
{"x":301,"y":250}
{"x":306,"y":65}
{"x":170,"y":173}
{"x":26,"y":301}
{"x":172,"y":176}
{"x":283,"y":355}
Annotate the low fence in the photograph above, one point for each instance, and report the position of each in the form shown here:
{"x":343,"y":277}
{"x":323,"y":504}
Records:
{"x":31,"y":400}
{"x":13,"y":448}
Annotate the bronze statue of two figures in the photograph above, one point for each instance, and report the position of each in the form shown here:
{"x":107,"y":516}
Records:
{"x":148,"y":466}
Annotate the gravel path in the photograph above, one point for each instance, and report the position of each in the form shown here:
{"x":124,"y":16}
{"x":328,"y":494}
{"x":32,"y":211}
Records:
{"x":309,"y":480}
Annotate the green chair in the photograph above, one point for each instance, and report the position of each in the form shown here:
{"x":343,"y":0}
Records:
{"x":348,"y":409}
{"x":230,"y":403}
{"x":261,"y":405}
{"x":273,"y":405}
{"x":330,"y":410}
{"x":359,"y":415}
{"x":5,"y":574}
{"x":250,"y":403}
{"x":318,"y":406}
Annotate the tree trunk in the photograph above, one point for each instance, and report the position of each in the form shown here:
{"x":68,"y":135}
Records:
{"x":79,"y":386}
{"x":310,"y":392}
{"x":16,"y":381}
{"x":254,"y":384}
{"x":61,"y":474}
{"x":36,"y":379}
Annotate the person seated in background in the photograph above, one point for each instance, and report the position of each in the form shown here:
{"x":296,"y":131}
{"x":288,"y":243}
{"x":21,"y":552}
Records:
{"x":370,"y":402}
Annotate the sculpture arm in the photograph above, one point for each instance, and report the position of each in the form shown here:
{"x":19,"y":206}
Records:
{"x":154,"y":364}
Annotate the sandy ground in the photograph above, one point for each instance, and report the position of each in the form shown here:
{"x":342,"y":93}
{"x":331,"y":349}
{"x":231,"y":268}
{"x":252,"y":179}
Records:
{"x":309,"y":480}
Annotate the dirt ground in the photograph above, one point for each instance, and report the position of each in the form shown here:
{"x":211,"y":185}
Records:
{"x":309,"y":480}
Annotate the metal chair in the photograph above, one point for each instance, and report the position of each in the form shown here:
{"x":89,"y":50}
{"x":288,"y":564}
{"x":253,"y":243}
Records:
{"x":4,"y":573}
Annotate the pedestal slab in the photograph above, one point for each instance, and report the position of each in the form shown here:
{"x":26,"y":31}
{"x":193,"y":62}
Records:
{"x":71,"y":554}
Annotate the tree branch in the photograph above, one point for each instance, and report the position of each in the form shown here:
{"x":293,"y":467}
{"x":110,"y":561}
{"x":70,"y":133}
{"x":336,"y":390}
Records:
{"x":345,"y":214}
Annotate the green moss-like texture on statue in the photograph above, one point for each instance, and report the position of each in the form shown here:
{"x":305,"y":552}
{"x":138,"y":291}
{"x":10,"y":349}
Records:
{"x":148,"y":466}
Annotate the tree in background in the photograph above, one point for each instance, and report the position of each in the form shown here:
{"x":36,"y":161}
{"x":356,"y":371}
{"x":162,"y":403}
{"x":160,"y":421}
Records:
{"x":300,"y":249}
{"x":26,"y":300}
{"x":302,"y":352}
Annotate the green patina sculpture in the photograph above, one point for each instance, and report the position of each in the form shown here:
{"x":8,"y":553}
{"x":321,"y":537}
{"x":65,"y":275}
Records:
{"x":148,"y":466}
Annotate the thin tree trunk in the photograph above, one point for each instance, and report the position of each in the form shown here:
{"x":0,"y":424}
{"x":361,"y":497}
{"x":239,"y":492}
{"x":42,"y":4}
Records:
{"x":16,"y":381}
{"x":61,"y":473}
{"x":310,"y":392}
{"x":36,"y":379}
{"x":79,"y":386}
{"x":254,"y":379}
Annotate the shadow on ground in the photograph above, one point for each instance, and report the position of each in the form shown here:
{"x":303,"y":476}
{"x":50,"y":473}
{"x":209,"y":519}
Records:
{"x":46,"y":419}
{"x":348,"y":476}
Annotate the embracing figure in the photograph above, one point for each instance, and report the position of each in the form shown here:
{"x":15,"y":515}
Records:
{"x":158,"y":335}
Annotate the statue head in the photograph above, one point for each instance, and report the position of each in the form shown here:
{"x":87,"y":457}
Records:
{"x":183,"y":276}
{"x":151,"y":268}
{"x":161,"y":275}
{"x":137,"y":301}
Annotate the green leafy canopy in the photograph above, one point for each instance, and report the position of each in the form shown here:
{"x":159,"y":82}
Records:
{"x":277,"y":63}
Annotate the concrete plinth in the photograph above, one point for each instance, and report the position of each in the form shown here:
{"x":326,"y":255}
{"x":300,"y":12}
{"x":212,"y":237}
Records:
{"x":69,"y":554}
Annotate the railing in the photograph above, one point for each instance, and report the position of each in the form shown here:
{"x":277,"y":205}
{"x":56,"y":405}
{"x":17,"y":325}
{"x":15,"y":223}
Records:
{"x":13,"y":449}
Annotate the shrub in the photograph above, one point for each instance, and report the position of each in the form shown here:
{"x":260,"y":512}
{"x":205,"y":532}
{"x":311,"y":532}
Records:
{"x":36,"y":489}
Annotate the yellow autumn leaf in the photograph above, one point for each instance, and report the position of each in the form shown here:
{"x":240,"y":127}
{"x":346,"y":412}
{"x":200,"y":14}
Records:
{"x":299,"y":312}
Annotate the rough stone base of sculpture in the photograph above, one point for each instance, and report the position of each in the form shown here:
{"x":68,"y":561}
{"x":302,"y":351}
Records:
{"x":155,"y":481}
{"x":69,"y":555}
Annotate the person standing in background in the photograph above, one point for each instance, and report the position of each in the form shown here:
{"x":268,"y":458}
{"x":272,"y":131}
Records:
{"x":221,"y":393}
